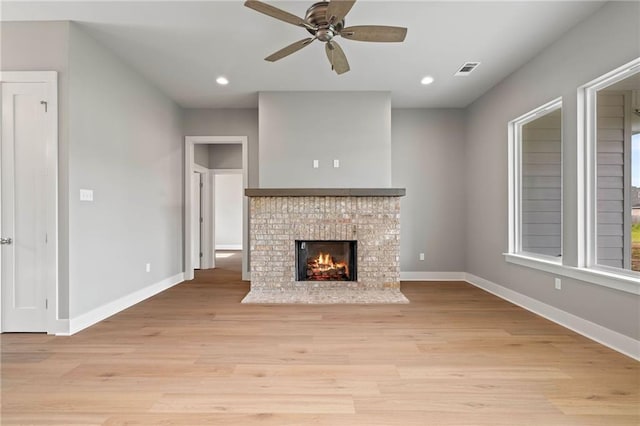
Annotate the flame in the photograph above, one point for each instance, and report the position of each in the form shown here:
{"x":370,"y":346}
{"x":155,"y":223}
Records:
{"x":325,"y":262}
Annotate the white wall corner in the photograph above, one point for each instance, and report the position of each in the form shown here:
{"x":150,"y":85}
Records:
{"x":100,"y":313}
{"x":607,"y":337}
{"x":432,"y":276}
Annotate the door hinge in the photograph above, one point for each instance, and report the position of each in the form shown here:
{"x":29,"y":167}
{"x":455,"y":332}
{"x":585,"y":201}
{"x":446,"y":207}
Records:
{"x":46,"y":303}
{"x":201,"y":185}
{"x":201,"y":220}
{"x":45,"y":105}
{"x":46,"y":238}
{"x":200,"y":254}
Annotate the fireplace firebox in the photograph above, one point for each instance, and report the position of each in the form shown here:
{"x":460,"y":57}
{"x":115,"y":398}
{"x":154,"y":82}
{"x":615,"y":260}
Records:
{"x":326,"y":260}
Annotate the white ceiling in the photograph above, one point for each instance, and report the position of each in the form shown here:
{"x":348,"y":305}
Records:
{"x":183,"y":46}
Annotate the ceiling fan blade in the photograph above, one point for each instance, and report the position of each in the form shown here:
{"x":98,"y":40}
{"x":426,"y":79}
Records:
{"x":377,"y":33}
{"x":292,"y":48}
{"x":338,"y":9}
{"x":336,"y":57}
{"x":274,"y":12}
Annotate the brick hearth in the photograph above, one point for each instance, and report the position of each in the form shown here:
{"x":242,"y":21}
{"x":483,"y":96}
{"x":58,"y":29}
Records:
{"x":277,"y":221}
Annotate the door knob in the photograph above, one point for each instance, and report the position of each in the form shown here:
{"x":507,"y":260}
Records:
{"x":6,"y":240}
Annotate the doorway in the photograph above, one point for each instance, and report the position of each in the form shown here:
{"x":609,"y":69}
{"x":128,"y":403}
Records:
{"x":194,"y":147}
{"x":28,"y":188}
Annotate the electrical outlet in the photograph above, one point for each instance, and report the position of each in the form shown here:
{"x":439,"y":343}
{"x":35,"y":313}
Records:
{"x":421,"y":256}
{"x":336,"y":163}
{"x":86,"y":195}
{"x":558,"y":284}
{"x":148,"y":267}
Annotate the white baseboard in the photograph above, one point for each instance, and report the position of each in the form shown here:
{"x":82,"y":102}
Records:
{"x":612,"y":339}
{"x":61,"y":328}
{"x":100,"y":313}
{"x":228,"y":246}
{"x":432,"y":276}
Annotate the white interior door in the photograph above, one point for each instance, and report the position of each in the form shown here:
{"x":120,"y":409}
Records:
{"x":196,"y":219}
{"x":23,"y":226}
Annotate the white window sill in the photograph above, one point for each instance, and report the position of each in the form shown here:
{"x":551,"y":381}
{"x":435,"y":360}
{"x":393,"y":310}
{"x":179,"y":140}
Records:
{"x":593,"y":276}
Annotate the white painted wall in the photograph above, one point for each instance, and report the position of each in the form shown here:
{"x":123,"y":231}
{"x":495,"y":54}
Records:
{"x":125,"y":143}
{"x":297,"y":127}
{"x":604,"y":41}
{"x":228,"y":211}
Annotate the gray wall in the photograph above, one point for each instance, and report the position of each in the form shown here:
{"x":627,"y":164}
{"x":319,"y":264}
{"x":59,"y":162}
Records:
{"x":225,"y":156}
{"x":427,"y":152}
{"x":227,"y":122}
{"x":201,"y":155}
{"x":110,"y":120}
{"x":126,"y":144}
{"x":601,"y":43}
{"x":43,"y":46}
{"x":298,"y":127}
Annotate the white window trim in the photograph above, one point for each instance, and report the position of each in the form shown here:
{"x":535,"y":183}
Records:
{"x":515,"y":181}
{"x":591,"y":275}
{"x":587,"y":144}
{"x":586,"y":270}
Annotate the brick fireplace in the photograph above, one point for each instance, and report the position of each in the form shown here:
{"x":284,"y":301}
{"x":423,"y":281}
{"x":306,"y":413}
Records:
{"x":368,"y":217}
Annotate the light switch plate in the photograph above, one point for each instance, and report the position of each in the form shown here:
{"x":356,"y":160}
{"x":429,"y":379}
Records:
{"x":315,"y":164}
{"x":86,"y":195}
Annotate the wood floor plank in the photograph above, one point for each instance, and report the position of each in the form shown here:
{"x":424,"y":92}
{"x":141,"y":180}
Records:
{"x":249,"y":403}
{"x":194,"y":355}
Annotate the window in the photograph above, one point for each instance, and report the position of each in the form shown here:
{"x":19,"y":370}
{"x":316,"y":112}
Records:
{"x":602,"y":243}
{"x":535,"y":143}
{"x":612,"y":115}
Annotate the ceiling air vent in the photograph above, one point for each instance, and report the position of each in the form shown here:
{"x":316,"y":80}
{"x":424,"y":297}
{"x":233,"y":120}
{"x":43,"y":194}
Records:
{"x":467,"y":68}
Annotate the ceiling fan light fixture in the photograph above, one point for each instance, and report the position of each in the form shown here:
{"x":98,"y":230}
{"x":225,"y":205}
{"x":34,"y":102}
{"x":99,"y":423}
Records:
{"x":222,"y":80}
{"x":426,"y":80}
{"x":324,"y":20}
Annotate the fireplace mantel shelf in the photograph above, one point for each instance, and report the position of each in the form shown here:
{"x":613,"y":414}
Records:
{"x":325,"y":192}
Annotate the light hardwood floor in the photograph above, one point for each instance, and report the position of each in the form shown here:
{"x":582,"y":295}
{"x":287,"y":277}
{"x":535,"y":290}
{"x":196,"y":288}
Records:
{"x":194,"y":355}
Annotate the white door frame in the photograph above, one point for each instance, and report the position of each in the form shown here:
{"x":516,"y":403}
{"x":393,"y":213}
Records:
{"x":207,"y":229}
{"x":197,"y":212}
{"x":50,"y":78}
{"x":189,"y":167}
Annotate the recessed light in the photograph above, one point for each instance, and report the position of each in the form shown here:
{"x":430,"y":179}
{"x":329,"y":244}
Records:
{"x":427,"y":80}
{"x":222,"y":81}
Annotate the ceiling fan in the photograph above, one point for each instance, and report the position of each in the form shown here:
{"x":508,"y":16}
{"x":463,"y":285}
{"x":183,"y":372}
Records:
{"x":325,"y":20}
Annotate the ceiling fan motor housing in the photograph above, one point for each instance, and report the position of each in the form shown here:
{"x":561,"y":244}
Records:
{"x":317,"y":17}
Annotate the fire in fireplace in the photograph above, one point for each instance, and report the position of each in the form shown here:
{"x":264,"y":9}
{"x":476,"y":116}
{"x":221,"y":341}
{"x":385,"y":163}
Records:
{"x":326,"y":260}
